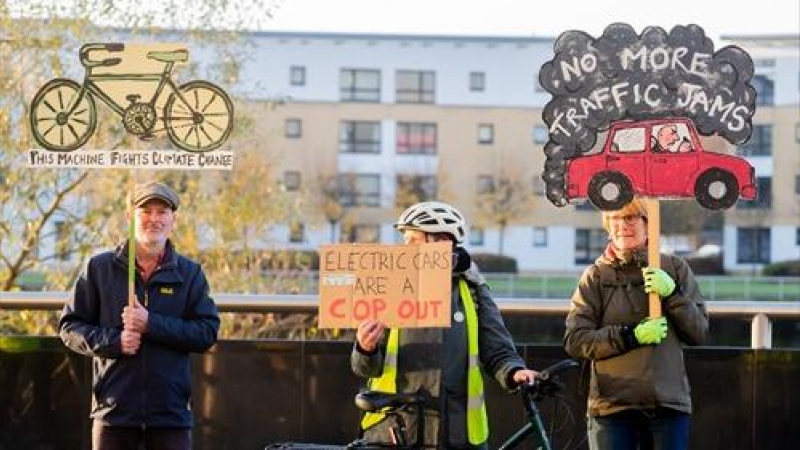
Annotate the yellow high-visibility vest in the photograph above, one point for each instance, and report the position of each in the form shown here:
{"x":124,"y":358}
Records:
{"x":477,"y":421}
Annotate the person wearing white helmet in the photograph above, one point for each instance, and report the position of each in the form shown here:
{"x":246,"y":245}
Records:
{"x":440,"y":361}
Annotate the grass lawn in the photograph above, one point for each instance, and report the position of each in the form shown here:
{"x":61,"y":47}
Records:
{"x":714,"y":288}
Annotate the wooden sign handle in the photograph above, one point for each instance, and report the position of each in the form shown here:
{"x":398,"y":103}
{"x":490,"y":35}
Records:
{"x":132,"y":243}
{"x":653,"y":248}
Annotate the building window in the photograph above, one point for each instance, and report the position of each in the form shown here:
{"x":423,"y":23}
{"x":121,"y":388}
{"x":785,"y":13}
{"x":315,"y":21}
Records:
{"x":485,"y":184}
{"x":297,"y":76}
{"x":540,"y":134}
{"x":763,"y":198}
{"x":292,"y":180}
{"x":753,"y":245}
{"x":538,"y":186}
{"x":539,"y":237}
{"x":415,"y":86}
{"x":765,"y":90}
{"x":797,"y":184}
{"x":414,"y":189}
{"x":760,"y":143}
{"x":360,"y":85}
{"x":764,"y":63}
{"x":363,"y":234}
{"x":485,"y":134}
{"x":589,"y":244}
{"x":297,"y":233}
{"x":360,"y":190}
{"x":416,"y":138}
{"x":293,"y":128}
{"x":477,"y":81}
{"x":797,"y":236}
{"x":360,"y":137}
{"x":476,"y":236}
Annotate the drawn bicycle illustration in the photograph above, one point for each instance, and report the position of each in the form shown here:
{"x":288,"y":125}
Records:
{"x":198,"y":115}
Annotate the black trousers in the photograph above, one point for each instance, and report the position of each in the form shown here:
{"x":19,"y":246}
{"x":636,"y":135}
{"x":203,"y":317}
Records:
{"x":137,"y":438}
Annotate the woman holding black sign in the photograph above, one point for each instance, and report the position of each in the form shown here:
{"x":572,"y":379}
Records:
{"x":639,"y":392}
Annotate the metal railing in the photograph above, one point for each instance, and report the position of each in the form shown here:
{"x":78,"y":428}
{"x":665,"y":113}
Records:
{"x":760,"y":313}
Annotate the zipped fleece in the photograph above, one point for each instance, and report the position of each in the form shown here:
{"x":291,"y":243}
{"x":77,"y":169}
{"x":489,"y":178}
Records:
{"x":153,"y":387}
{"x":607,"y":304}
{"x":434,"y":360}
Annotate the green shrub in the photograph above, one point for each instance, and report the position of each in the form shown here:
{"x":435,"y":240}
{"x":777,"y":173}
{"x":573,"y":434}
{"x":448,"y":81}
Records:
{"x":706,"y":265}
{"x":783,"y":269}
{"x":290,"y":260}
{"x":493,"y":263}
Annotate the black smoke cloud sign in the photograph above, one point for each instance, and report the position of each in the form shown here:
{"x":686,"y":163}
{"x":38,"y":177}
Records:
{"x":625,"y":76}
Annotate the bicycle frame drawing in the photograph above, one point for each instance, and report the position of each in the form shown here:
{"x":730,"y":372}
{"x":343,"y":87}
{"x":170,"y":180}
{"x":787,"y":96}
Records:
{"x":197,"y":116}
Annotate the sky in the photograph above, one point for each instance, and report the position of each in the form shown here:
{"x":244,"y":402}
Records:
{"x":532,"y":17}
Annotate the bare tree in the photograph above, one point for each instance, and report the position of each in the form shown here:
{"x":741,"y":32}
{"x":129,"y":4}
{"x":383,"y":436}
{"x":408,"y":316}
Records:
{"x":412,"y":188}
{"x":688,"y":218}
{"x":501,"y":202}
{"x":329,"y":194}
{"x":74,"y":209}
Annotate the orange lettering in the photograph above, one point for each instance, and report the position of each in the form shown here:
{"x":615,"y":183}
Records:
{"x":336,"y":305}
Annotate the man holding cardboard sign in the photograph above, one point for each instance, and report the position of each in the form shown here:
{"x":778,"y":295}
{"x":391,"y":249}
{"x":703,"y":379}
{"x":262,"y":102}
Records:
{"x":441,"y":362}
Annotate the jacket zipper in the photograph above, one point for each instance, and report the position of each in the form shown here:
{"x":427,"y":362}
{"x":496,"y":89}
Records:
{"x":144,"y":366}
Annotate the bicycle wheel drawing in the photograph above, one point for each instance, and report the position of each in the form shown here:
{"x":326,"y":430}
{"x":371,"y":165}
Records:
{"x":63,"y":115}
{"x":199,"y":117}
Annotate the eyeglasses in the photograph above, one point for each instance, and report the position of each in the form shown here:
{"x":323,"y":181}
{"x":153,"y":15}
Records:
{"x":629,"y":219}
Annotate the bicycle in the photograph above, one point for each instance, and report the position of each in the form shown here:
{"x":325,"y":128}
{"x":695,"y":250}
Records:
{"x":198,"y":115}
{"x":546,"y":385}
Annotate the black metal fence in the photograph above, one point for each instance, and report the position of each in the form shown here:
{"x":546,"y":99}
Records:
{"x":248,"y":394}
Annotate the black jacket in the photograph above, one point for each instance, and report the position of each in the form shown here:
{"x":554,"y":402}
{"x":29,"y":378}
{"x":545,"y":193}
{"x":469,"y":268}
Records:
{"x":435,"y":360}
{"x":607,"y":304}
{"x":153,"y":387}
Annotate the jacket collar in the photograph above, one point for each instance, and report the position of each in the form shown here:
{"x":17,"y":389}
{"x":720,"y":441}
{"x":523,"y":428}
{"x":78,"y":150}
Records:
{"x":615,"y":257}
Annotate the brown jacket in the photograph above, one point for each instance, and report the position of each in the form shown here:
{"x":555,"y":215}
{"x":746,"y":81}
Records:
{"x":607,"y":304}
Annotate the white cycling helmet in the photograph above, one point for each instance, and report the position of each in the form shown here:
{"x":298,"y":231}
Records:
{"x":433,"y":217}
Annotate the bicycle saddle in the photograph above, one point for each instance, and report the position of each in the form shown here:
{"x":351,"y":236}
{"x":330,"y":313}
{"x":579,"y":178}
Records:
{"x":169,"y":56}
{"x":374,"y":400}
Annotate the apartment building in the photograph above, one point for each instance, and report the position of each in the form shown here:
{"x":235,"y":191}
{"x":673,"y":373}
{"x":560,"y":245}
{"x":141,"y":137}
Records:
{"x":397,"y":118}
{"x":768,"y":229}
{"x":459,"y":117}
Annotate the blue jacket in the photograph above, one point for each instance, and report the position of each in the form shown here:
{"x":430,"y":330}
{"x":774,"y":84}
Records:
{"x":153,"y":387}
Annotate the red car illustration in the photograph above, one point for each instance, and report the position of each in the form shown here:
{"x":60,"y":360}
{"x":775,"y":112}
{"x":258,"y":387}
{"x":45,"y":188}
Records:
{"x":658,"y":158}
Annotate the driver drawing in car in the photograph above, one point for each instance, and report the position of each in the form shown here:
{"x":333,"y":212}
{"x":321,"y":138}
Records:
{"x":665,"y":140}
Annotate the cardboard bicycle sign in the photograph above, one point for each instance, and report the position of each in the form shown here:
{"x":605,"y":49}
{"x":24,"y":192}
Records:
{"x":135,"y":82}
{"x":404,"y":286}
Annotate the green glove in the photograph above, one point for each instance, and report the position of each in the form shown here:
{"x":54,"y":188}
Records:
{"x":651,"y":330}
{"x":656,"y":280}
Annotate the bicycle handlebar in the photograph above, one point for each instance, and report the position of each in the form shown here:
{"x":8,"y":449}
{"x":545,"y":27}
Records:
{"x":545,"y":384}
{"x":557,"y":368}
{"x":87,"y":48}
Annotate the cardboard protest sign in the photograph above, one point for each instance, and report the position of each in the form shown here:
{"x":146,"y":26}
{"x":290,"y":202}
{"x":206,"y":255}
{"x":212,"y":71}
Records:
{"x":135,"y":82}
{"x":404,"y":286}
{"x":653,"y":95}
